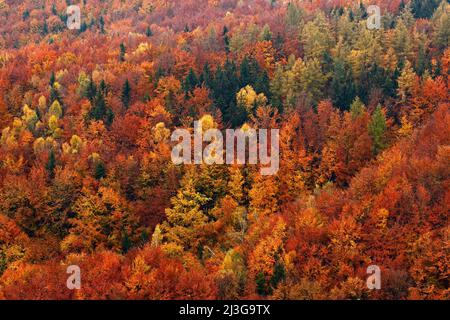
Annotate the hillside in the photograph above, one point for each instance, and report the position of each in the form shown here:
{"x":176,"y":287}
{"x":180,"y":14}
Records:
{"x":87,"y":176}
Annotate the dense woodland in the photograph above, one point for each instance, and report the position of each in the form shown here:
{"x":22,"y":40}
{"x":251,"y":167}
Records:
{"x":86,"y":176}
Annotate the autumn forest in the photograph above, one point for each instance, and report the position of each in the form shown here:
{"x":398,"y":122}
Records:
{"x":87,"y":178}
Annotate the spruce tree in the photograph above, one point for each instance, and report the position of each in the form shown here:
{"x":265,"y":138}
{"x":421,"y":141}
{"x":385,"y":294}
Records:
{"x":226,"y":39}
{"x":342,"y":87}
{"x":126,"y":94}
{"x":149,"y":32}
{"x":102,"y":24}
{"x":99,"y":170}
{"x":190,"y":82}
{"x":123,"y":50}
{"x":51,"y":164}
{"x":424,"y":9}
{"x":91,"y":90}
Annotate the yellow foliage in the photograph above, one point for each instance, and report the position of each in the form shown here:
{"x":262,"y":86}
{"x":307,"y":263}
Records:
{"x":382,"y":218}
{"x":406,"y":128}
{"x":249,"y":99}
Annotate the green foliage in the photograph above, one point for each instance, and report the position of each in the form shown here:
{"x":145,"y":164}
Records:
{"x":51,"y":164}
{"x":99,"y":108}
{"x":377,"y":130}
{"x":125,"y":96}
{"x":123,"y":51}
{"x":342,"y":86}
{"x":294,"y":16}
{"x":357,"y":108}
{"x":441,"y":23}
{"x":190,"y":82}
{"x":424,"y":8}
{"x":99,"y":170}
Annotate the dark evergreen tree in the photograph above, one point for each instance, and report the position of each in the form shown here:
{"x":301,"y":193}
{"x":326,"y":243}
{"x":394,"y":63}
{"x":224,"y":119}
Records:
{"x":160,"y":72}
{"x":424,"y":8}
{"x":225,"y":88}
{"x":99,"y":108}
{"x":125,"y":96}
{"x":102,"y":88}
{"x":342,"y":87}
{"x":279,"y":274}
{"x":26,"y":14}
{"x":45,"y":28}
{"x":91,"y":90}
{"x":99,"y":170}
{"x":52,"y":79}
{"x":251,"y":73}
{"x":206,"y":77}
{"x":83,"y":27}
{"x":126,"y":242}
{"x":262,"y":84}
{"x":51,"y":164}
{"x":190,"y":82}
{"x":54,"y":94}
{"x":102,"y":24}
{"x":278,"y":43}
{"x":245,"y":76}
{"x":362,"y":11}
{"x":261,"y":286}
{"x":226,"y":39}
{"x":351,"y":15}
{"x":123,"y":51}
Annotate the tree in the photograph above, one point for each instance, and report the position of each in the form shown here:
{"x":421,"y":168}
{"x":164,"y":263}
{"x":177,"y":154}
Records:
{"x":226,"y":39}
{"x":101,"y":219}
{"x":342,"y":84}
{"x":54,"y":93}
{"x":402,"y":41}
{"x":294,"y":16}
{"x":357,"y":108}
{"x":99,"y":108}
{"x":316,"y":38}
{"x":263,"y":197}
{"x":232,"y":276}
{"x":265,"y":265}
{"x":406,"y":82}
{"x":55,"y":110}
{"x":304,"y":81}
{"x":248,"y":100}
{"x":102,"y":24}
{"x":441,"y":24}
{"x":225,"y":86}
{"x":185,"y":218}
{"x":91,"y":90}
{"x":51,"y":164}
{"x":100,"y":170}
{"x":191,"y":81}
{"x":123,"y":51}
{"x":313,"y":81}
{"x":266,"y":34}
{"x":276,"y":88}
{"x":377,"y":129}
{"x":424,"y":8}
{"x":126,"y":94}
